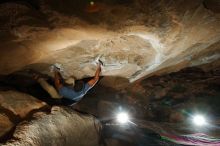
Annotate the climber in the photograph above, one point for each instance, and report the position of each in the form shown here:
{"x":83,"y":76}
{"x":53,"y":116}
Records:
{"x":65,"y":91}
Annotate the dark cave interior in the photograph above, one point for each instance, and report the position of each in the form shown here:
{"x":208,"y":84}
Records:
{"x":160,"y":66}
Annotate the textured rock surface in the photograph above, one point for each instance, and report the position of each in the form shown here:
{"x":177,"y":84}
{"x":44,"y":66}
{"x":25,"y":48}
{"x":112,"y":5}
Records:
{"x":134,"y":40}
{"x":62,"y":127}
{"x":5,"y":124}
{"x":19,"y":104}
{"x":171,"y":97}
{"x":159,"y":98}
{"x":165,"y":98}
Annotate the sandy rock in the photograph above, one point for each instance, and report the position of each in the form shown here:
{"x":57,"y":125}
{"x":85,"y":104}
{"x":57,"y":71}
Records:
{"x":63,"y":127}
{"x":133,"y":41}
{"x":5,"y":124}
{"x":19,"y":103}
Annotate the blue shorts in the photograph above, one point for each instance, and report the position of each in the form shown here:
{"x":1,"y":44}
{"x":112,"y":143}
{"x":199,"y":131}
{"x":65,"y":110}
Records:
{"x":71,"y":94}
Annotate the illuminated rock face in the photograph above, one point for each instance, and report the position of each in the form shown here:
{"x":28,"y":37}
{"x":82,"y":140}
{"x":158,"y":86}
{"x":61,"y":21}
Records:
{"x":15,"y":107}
{"x":62,"y":126}
{"x":19,"y":104}
{"x":132,"y":40}
{"x":34,"y":122}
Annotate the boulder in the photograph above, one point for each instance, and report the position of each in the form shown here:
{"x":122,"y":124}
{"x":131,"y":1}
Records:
{"x":20,"y":104}
{"x":62,"y":127}
{"x":5,"y":125}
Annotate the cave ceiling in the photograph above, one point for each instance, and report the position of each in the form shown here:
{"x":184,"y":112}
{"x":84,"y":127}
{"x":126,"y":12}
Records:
{"x":134,"y":39}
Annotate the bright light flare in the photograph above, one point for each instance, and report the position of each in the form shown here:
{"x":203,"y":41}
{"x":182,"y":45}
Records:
{"x":92,"y":3}
{"x":122,"y":117}
{"x":199,"y":120}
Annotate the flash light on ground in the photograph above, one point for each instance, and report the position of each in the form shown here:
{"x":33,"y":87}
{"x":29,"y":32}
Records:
{"x":122,"y":117}
{"x":199,"y":120}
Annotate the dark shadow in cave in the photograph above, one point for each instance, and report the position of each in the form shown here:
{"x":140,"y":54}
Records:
{"x":190,"y":89}
{"x":76,"y":8}
{"x":23,"y":81}
{"x":30,"y":3}
{"x":106,"y":99}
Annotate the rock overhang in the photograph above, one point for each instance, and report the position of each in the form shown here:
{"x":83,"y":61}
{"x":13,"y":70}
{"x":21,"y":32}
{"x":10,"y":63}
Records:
{"x":133,"y":42}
